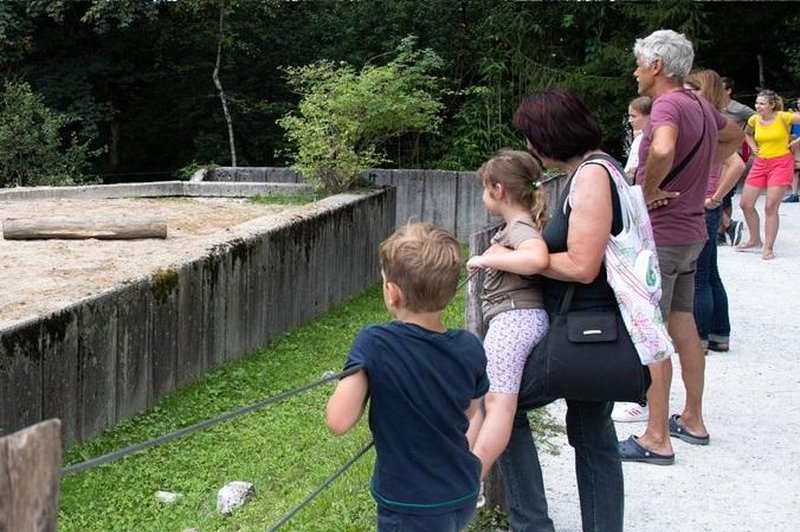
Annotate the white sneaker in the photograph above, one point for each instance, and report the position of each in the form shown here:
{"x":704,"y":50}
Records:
{"x":630,"y":412}
{"x":481,"y":499}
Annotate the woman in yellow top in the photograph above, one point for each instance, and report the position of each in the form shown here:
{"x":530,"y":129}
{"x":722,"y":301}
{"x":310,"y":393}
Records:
{"x":767,"y":134}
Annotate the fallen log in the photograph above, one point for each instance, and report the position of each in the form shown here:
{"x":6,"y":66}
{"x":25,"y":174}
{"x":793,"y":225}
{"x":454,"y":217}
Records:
{"x":82,"y":228}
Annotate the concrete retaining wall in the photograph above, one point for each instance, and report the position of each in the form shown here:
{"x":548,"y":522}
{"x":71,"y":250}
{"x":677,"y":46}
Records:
{"x":108,"y":356}
{"x":451,"y":200}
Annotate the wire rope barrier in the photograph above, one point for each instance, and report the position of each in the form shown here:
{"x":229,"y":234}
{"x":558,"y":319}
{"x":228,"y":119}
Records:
{"x":291,"y":513}
{"x":185,"y":431}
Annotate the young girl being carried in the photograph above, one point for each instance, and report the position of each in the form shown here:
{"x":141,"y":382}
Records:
{"x":512,"y":300}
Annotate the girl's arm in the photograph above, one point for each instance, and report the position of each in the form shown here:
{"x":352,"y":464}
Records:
{"x":589,"y":228}
{"x":346,"y":405}
{"x":529,"y":258}
{"x":751,"y":140}
{"x":732,"y":170}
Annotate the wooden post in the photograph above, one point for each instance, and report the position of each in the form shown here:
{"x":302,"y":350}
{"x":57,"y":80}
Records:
{"x":65,"y":227}
{"x":30,"y":472}
{"x":494,"y":490}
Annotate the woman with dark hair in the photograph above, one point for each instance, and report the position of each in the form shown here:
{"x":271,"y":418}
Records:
{"x":561,"y":131}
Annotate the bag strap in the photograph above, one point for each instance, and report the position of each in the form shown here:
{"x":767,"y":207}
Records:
{"x":616,"y":174}
{"x":566,"y":299}
{"x":678,"y":168}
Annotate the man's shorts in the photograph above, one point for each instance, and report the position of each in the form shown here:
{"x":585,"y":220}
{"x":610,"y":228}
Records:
{"x":775,"y":172}
{"x":677,"y":264}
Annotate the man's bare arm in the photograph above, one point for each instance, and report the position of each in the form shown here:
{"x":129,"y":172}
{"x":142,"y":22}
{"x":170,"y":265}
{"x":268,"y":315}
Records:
{"x":660,"y":157}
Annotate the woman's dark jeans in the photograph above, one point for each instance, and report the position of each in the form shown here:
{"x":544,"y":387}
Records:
{"x":710,"y":299}
{"x":597,"y":465}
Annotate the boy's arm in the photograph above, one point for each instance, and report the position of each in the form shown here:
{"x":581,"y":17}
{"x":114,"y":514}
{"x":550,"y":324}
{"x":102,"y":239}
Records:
{"x":346,"y":405}
{"x":474,"y":406}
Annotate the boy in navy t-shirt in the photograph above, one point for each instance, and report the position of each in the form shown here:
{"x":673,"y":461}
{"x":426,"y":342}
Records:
{"x":423,"y":383}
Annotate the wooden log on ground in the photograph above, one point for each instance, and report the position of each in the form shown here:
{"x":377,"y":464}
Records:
{"x":82,"y":228}
{"x":30,"y":473}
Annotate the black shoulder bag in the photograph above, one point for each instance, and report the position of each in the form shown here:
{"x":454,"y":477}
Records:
{"x":589,"y":356}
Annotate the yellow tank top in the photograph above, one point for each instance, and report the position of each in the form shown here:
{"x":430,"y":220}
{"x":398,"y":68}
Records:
{"x":773,"y":138}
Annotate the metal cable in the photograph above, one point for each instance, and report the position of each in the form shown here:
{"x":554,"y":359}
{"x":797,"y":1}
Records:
{"x":321,"y":487}
{"x":115,"y":455}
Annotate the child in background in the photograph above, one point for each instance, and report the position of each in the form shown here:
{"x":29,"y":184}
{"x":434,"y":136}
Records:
{"x":512,"y":301}
{"x":423,"y":383}
{"x":638,"y":116}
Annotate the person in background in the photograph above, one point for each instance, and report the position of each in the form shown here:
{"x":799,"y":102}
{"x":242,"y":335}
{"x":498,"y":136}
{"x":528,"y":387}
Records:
{"x":767,"y":135}
{"x":739,"y":113}
{"x":686,"y":136}
{"x":512,"y":301}
{"x":710,"y":297}
{"x":795,"y":134}
{"x":638,"y":116}
{"x":423,"y":383}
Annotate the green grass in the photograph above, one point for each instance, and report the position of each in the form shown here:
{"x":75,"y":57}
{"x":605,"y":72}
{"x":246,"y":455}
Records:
{"x":284,"y":450}
{"x":283,"y":199}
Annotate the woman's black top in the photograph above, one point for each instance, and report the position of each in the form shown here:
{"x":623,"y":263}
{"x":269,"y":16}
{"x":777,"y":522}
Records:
{"x":597,"y":294}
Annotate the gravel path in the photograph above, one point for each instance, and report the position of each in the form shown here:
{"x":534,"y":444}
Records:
{"x":748,"y":478}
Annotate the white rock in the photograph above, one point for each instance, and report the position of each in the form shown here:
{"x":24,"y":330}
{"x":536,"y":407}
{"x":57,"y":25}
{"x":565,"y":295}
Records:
{"x":167,"y":496}
{"x":234,"y":494}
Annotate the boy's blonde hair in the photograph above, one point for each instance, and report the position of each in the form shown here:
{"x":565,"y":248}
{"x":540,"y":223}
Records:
{"x":424,"y":261}
{"x":521,"y":176}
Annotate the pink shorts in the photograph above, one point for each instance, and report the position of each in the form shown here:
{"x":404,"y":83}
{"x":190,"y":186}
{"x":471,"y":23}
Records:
{"x":775,"y":172}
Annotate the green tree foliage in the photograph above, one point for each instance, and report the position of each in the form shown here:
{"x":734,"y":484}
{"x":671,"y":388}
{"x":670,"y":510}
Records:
{"x":137,"y":72}
{"x":346,"y":116}
{"x":35,"y":146}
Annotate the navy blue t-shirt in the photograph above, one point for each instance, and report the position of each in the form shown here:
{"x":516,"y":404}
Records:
{"x":420,"y":384}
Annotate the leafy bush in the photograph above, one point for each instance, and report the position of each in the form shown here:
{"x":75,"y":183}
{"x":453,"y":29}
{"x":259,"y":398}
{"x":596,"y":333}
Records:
{"x":345,"y":117}
{"x":35,"y":147}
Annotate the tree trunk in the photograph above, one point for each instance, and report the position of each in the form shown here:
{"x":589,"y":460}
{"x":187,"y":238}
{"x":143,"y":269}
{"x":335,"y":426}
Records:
{"x":82,"y":228}
{"x":218,"y":85}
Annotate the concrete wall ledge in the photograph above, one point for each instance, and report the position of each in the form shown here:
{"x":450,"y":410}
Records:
{"x":156,"y":189}
{"x":101,"y":359}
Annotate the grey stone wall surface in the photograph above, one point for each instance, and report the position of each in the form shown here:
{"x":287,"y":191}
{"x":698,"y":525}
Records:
{"x":106,"y":357}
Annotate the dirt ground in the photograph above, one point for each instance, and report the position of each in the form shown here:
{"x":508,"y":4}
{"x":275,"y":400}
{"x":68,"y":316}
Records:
{"x":40,"y":276}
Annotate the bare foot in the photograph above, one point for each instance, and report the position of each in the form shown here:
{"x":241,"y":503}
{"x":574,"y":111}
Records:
{"x":749,"y":245}
{"x":768,"y":254}
{"x":660,"y":446}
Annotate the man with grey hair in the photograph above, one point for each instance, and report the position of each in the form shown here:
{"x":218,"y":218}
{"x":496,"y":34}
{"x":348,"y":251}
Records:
{"x":684,"y":137}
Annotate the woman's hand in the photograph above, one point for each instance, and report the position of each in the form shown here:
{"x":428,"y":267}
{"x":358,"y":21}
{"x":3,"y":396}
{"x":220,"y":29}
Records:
{"x":711,"y":204}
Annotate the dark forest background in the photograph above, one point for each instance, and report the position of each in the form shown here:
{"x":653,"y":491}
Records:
{"x":135,"y":76}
